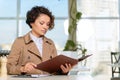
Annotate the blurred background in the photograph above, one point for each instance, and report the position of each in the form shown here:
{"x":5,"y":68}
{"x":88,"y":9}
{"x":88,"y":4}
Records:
{"x":98,"y":29}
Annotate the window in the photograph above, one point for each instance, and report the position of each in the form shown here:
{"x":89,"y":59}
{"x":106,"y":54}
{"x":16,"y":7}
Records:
{"x":104,"y":18}
{"x":12,"y":20}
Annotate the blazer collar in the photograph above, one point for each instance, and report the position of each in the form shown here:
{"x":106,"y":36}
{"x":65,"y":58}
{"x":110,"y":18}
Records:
{"x":32,"y":47}
{"x":28,"y":39}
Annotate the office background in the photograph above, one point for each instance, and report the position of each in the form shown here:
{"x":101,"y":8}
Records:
{"x":100,"y":19}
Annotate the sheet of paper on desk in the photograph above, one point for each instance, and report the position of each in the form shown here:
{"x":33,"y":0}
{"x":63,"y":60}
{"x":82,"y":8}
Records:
{"x":31,"y":76}
{"x":39,"y":75}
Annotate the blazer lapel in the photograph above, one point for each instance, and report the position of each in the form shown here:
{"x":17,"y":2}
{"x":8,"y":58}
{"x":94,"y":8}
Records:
{"x":31,"y":45}
{"x":46,"y":49}
{"x":33,"y":49}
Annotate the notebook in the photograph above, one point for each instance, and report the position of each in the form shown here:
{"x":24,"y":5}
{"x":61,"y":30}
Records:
{"x":53,"y":65}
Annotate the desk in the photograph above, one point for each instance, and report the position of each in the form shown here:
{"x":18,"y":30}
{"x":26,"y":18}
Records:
{"x":55,"y":77}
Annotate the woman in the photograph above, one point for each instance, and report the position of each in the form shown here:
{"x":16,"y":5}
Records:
{"x":34,"y":47}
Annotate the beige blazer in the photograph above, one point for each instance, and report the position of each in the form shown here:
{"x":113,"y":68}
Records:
{"x":24,"y":50}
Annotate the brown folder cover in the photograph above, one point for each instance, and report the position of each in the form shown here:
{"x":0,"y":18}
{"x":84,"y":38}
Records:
{"x":53,"y":65}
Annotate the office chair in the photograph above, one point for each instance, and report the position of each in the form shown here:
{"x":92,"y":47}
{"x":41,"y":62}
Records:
{"x":115,"y":60}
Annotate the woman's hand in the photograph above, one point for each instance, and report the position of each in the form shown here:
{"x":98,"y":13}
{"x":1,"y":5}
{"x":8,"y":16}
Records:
{"x":66,"y":68}
{"x":28,"y":67}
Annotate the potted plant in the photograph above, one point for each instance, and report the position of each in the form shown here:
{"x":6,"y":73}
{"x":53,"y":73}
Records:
{"x":82,"y":52}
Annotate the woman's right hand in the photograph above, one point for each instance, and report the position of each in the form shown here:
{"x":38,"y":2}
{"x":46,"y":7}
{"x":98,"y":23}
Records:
{"x":28,"y":67}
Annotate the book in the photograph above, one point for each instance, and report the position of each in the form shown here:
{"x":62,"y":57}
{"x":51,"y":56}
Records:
{"x":53,"y":65}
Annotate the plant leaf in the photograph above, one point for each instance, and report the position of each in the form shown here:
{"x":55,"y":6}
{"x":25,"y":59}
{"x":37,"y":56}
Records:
{"x":78,"y":15}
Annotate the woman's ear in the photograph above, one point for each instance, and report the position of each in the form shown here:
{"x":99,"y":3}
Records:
{"x":31,"y":24}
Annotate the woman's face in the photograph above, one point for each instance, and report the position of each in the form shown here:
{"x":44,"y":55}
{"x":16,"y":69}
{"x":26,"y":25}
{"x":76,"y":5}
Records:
{"x":41,"y":25}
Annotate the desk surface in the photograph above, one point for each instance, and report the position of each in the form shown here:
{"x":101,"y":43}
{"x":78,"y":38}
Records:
{"x":55,"y":77}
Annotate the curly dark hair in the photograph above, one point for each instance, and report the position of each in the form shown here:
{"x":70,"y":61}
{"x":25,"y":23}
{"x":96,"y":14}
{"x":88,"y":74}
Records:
{"x":35,"y":12}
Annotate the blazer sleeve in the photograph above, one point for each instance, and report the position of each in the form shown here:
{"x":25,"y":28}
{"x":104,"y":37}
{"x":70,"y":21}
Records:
{"x":13,"y":58}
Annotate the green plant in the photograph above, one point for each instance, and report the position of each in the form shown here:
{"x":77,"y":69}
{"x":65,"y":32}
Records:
{"x":70,"y":44}
{"x":82,"y":49}
{"x":74,"y":17}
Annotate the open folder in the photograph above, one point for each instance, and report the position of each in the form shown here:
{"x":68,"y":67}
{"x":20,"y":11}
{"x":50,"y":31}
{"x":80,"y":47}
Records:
{"x":53,"y":65}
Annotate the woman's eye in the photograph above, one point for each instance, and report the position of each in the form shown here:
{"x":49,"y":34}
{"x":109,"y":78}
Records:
{"x":48,"y":24}
{"x":41,"y":23}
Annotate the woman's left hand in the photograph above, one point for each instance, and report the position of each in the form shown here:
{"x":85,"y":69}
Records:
{"x":66,"y":68}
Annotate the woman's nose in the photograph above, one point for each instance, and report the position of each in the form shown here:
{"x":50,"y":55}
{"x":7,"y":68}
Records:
{"x":46,"y":26}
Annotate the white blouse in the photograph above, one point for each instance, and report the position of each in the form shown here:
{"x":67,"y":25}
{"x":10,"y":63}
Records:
{"x":38,"y":42}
